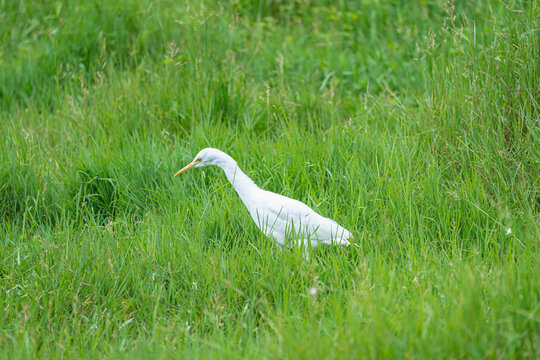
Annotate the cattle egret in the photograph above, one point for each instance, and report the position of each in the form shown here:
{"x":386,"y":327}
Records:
{"x":283,"y":219}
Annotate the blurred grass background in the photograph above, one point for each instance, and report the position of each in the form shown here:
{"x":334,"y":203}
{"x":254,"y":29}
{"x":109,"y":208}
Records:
{"x":414,"y":124}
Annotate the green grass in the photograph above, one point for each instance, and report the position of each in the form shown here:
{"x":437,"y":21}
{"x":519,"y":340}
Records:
{"x":413,"y":124}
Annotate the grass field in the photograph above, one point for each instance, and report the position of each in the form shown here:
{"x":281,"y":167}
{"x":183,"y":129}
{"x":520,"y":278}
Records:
{"x":415,"y":124}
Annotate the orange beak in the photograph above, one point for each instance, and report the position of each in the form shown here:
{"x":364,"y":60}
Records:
{"x":187,"y":167}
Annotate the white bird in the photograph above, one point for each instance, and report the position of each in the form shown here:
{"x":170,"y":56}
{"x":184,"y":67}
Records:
{"x":283,"y":219}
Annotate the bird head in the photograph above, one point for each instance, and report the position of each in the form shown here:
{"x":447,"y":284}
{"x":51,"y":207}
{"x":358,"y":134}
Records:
{"x":205,"y":157}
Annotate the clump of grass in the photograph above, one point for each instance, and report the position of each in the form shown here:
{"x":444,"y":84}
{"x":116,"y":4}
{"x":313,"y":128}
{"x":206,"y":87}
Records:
{"x":25,"y":195}
{"x":98,"y":193}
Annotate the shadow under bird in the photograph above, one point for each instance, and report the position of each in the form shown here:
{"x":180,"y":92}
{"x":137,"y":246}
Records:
{"x":283,"y":219}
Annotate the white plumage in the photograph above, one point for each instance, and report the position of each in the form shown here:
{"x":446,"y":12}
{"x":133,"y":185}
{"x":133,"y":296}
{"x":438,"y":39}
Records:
{"x":283,"y":219}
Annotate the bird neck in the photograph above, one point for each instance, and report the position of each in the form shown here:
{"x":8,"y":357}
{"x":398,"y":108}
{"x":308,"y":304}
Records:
{"x":243,"y":185}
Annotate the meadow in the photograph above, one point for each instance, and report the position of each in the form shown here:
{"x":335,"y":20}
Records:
{"x":414,"y":124}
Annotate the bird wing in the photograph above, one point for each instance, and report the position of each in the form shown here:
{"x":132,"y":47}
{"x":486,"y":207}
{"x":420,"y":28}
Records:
{"x":281,"y":217}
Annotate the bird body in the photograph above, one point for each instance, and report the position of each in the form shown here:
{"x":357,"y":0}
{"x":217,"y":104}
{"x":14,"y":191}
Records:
{"x":283,"y":219}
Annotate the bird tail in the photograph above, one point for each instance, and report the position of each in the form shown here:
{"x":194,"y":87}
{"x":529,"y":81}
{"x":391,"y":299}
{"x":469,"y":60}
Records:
{"x":343,"y":238}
